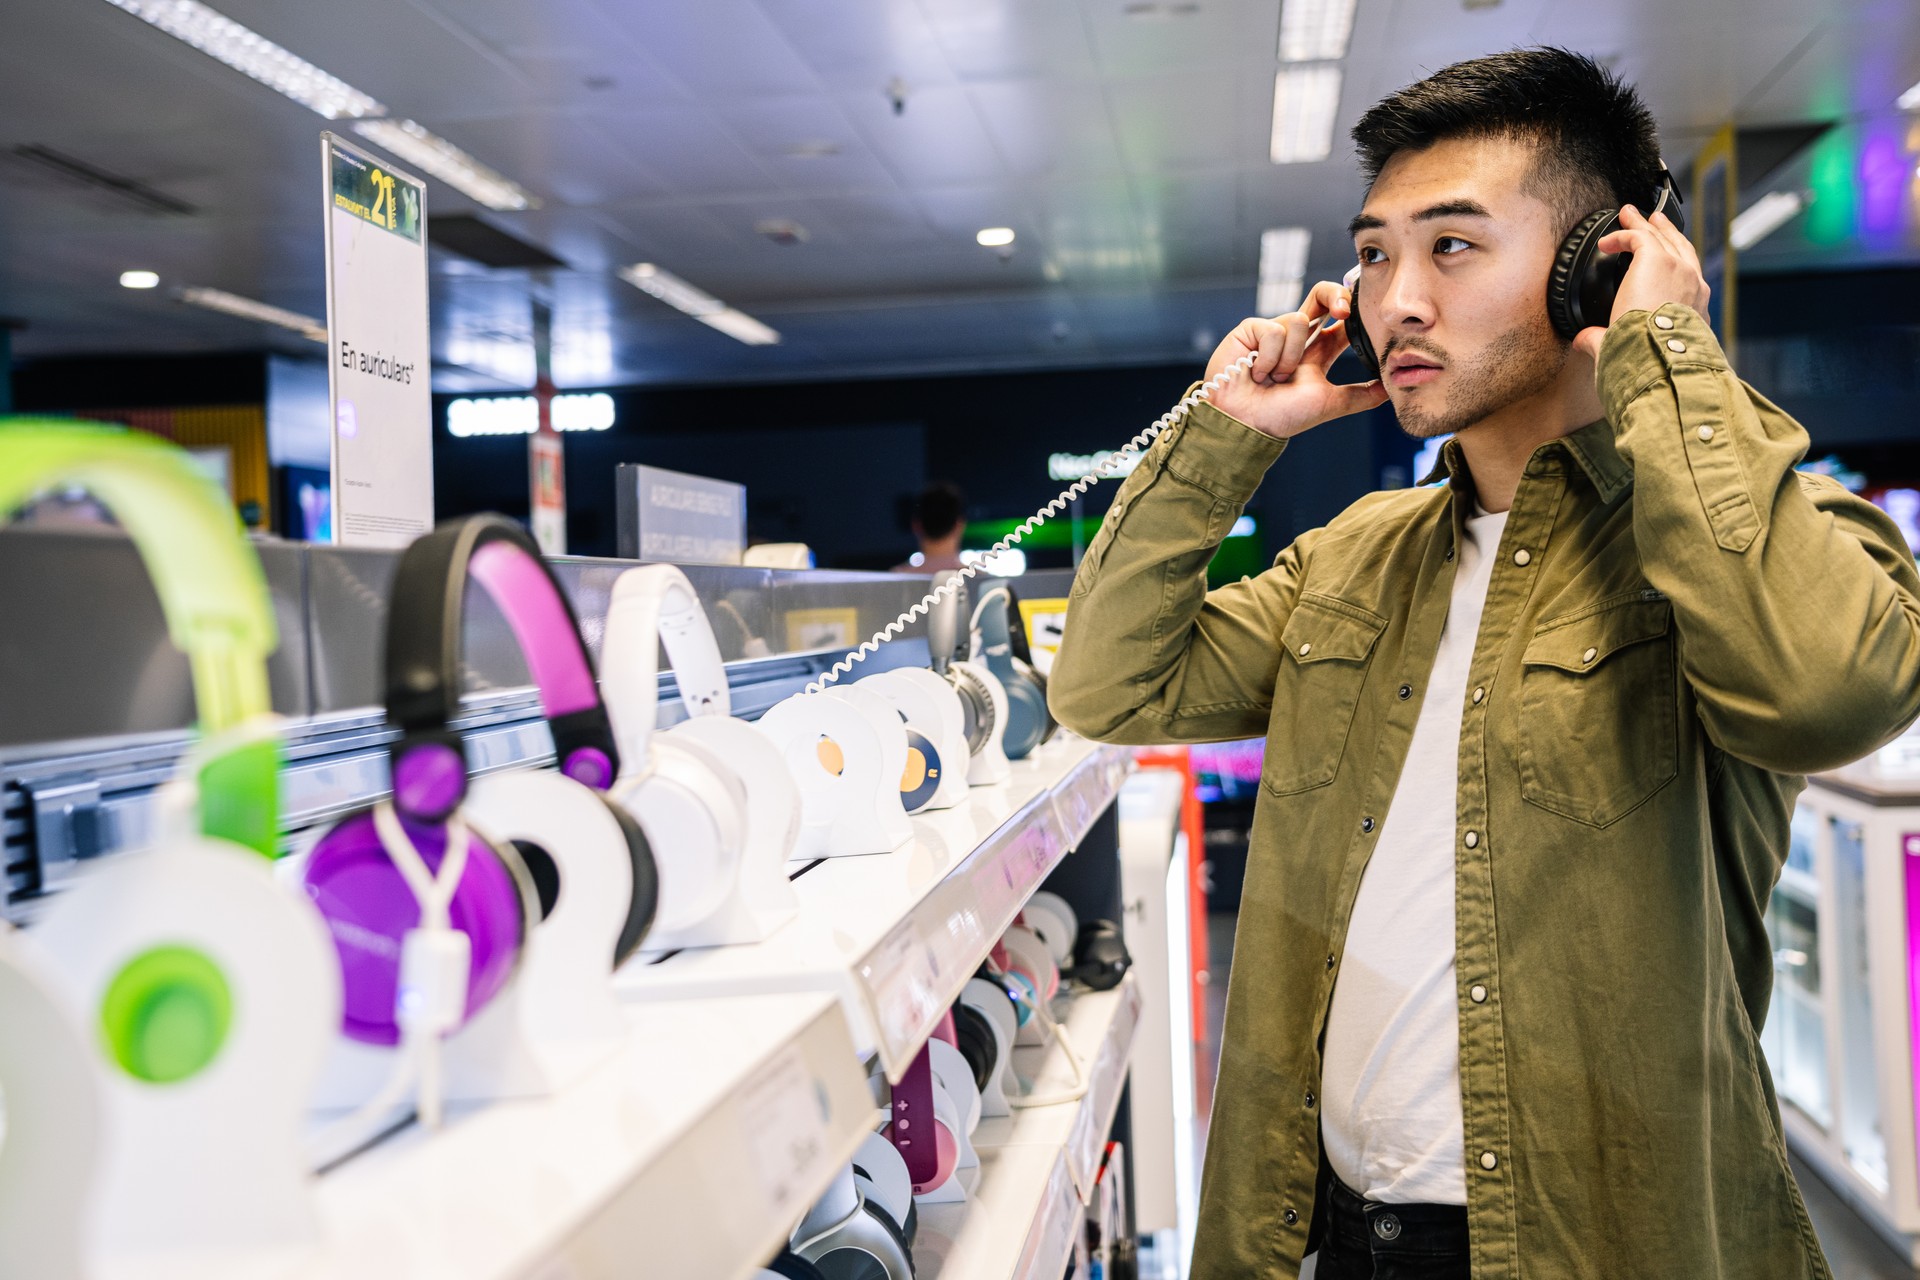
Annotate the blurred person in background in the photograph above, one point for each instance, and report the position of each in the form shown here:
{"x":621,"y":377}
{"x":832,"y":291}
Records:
{"x":939,"y":522}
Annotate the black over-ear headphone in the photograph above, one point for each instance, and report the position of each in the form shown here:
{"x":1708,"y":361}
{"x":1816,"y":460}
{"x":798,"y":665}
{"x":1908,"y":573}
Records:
{"x":1580,"y":289}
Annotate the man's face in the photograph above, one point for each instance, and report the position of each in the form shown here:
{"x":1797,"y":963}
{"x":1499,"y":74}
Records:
{"x":1453,"y":282}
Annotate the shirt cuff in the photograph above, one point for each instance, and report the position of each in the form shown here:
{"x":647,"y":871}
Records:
{"x":1221,"y":454}
{"x":1642,"y":347}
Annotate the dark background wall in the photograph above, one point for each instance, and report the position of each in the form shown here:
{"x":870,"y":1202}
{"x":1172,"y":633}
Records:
{"x":835,"y":464}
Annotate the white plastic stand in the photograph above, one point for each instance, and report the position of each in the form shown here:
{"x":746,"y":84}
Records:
{"x":989,"y":765}
{"x":764,"y":899}
{"x":956,"y":1077}
{"x":993,"y":1002}
{"x":557,"y":1017}
{"x":49,"y":1122}
{"x":208,"y":1169}
{"x":857,"y":809}
{"x":931,"y":706}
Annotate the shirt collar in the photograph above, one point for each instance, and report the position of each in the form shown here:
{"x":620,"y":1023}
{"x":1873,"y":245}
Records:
{"x":1592,"y":447}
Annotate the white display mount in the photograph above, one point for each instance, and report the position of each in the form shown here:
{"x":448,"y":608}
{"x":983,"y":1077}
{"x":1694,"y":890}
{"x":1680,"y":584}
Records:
{"x":1038,"y":1166}
{"x":896,"y":935}
{"x":755,"y":1105}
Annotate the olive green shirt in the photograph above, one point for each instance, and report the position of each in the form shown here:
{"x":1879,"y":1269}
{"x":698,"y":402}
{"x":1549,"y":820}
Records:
{"x":1679,"y":626}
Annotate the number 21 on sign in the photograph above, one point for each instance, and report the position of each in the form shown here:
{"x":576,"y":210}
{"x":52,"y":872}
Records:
{"x":383,"y":196}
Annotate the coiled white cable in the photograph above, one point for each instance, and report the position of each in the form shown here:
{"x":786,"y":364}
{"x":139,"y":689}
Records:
{"x":1100,"y":471}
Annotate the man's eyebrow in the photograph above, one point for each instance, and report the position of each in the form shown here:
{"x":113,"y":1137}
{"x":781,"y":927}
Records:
{"x":1461,"y":208}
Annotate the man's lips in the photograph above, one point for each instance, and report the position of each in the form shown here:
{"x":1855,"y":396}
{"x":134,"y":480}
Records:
{"x":1411,"y":371}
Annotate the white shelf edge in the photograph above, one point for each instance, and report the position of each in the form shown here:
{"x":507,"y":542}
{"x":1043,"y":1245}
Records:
{"x":575,"y":1186}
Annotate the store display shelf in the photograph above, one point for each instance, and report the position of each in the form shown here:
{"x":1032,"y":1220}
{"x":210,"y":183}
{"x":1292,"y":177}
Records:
{"x":750,"y":1103}
{"x":1037,"y":1167}
{"x":896,"y":935}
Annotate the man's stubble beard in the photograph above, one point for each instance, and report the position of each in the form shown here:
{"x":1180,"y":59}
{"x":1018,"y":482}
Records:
{"x":1522,"y":362}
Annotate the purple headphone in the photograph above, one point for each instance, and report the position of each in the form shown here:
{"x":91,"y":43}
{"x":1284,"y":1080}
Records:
{"x":367,"y":904}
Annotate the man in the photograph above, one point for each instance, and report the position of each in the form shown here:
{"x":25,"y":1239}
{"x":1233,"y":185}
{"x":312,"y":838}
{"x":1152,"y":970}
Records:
{"x":939,"y":523}
{"x":1533,"y":738}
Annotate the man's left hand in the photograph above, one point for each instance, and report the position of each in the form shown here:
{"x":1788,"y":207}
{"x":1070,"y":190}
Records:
{"x":1664,"y":269}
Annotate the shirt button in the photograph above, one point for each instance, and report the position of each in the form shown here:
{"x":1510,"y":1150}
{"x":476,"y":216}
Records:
{"x":1406,"y":691}
{"x":1589,"y":655}
{"x":1473,"y":839}
{"x":1291,"y":1217}
{"x":1478,"y":696}
{"x":1329,"y":962}
{"x":1309,"y":1099}
{"x":1706,"y":433}
{"x":1479,"y":994}
{"x":1449,"y":553}
{"x":1366,"y":825}
{"x":1675,"y":345}
{"x":1305,"y":649}
{"x":1522,"y":556}
{"x":1488,"y":1160}
{"x":1663,"y":322}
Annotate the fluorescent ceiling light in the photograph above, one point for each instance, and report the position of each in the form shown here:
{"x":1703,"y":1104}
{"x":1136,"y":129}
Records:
{"x":1910,"y":100}
{"x":252,"y":54}
{"x":1306,"y":99}
{"x":520,"y":415}
{"x":994,"y":237}
{"x":434,"y":154}
{"x":1283,"y":269}
{"x":139,"y":279}
{"x":1315,"y":30}
{"x":1764,"y":217}
{"x":699,"y":304}
{"x":233,"y":304}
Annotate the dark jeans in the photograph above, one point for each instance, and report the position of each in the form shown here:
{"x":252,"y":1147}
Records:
{"x":1367,"y":1241}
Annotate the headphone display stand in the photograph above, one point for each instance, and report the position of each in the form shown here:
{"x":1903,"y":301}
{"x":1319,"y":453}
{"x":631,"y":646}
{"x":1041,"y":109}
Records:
{"x":993,"y":1002}
{"x":49,"y":1151}
{"x":568,"y":1009}
{"x":207,"y":1166}
{"x":931,"y":706}
{"x":763,"y":899}
{"x":855,"y":809}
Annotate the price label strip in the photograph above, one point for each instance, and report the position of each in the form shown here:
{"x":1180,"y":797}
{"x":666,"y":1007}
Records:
{"x":1050,"y":1239}
{"x":1107,"y":1076}
{"x":783,"y":1112}
{"x":920,"y":966}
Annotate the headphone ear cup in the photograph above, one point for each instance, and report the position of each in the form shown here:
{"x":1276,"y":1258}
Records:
{"x":1100,"y":957}
{"x":1583,"y":283}
{"x":645,"y":898}
{"x":976,"y":1043}
{"x":922,"y":778}
{"x":791,"y":1266}
{"x":1357,"y":337}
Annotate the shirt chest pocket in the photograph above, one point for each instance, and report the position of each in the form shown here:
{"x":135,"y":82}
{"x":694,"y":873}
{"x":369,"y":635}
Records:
{"x":1328,"y":647}
{"x":1598,"y":713}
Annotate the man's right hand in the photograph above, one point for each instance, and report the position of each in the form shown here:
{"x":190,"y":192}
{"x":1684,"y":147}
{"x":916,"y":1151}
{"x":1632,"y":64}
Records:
{"x":1286,"y":391}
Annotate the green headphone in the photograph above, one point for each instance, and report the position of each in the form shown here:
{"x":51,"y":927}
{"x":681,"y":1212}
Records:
{"x":167,"y":1011}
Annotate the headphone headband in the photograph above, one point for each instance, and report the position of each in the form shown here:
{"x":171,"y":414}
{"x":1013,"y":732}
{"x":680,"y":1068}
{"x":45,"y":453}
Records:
{"x":424,"y":617}
{"x":649,"y":601}
{"x":211,"y":590}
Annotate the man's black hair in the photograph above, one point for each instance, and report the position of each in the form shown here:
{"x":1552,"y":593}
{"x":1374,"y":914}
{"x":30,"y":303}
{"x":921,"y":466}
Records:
{"x":939,"y":508}
{"x":1597,"y":143}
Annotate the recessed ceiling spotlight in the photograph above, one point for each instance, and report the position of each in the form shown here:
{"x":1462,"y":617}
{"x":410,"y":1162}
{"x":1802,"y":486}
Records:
{"x":994,"y":237}
{"x":812,"y":149}
{"x":781,"y":230}
{"x":139,"y":279}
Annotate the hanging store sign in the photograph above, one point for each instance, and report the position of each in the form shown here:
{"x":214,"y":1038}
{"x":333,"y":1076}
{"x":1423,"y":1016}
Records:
{"x":379,"y":354}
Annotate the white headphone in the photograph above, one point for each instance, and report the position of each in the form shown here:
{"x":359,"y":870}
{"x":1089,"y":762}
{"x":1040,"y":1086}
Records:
{"x":690,"y":804}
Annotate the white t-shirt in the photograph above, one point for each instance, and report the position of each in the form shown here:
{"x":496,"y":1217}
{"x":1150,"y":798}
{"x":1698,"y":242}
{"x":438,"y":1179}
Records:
{"x":1390,"y":1081}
